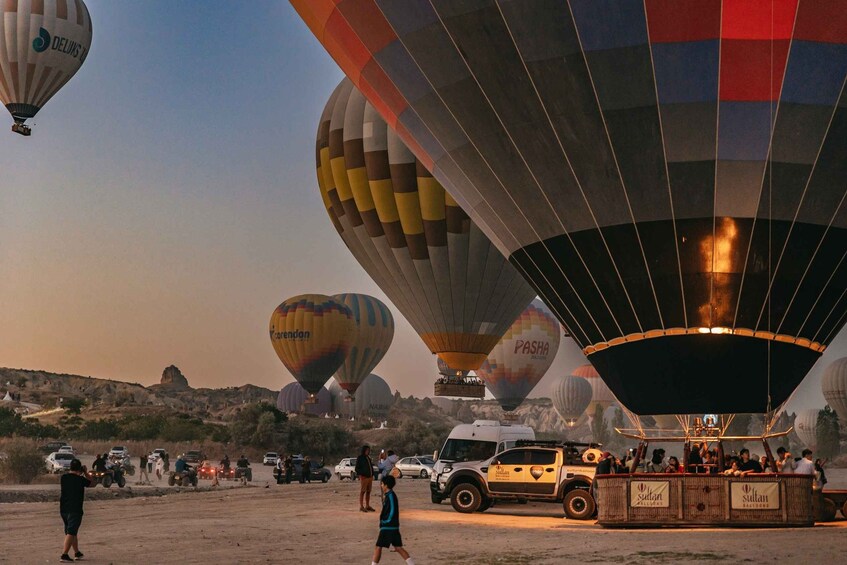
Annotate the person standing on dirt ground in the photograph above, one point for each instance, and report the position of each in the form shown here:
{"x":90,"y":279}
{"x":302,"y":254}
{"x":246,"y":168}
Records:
{"x":166,"y":461}
{"x":289,"y":469}
{"x":365,"y":471}
{"x":389,"y":523}
{"x":160,"y":466}
{"x":280,"y":470}
{"x":143,"y":477}
{"x":74,"y":484}
{"x":306,"y":470}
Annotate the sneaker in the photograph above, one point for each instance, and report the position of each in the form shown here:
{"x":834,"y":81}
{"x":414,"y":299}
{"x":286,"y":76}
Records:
{"x":65,"y":557}
{"x":78,"y":556}
{"x":363,"y":509}
{"x":369,"y":509}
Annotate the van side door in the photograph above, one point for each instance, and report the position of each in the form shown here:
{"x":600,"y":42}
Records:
{"x":543,"y":472}
{"x":508,"y":471}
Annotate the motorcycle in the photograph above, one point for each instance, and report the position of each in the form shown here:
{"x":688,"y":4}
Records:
{"x":244,"y":473}
{"x":107,"y":477}
{"x":183,"y":478}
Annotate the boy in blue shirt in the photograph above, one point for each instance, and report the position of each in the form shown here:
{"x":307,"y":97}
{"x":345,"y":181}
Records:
{"x":389,"y":523}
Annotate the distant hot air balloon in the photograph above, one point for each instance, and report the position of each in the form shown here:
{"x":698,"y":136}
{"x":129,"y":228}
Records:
{"x":521,"y":358}
{"x":411,"y":237}
{"x":571,"y":396}
{"x":600,"y":393}
{"x":312,"y":335}
{"x":669,"y":175}
{"x":294,"y":398}
{"x":43,"y":43}
{"x":806,"y":426}
{"x":834,"y":388}
{"x":373,"y":400}
{"x":375,"y":331}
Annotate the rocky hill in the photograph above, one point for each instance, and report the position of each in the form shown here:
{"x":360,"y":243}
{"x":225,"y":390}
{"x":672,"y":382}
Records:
{"x":46,"y":389}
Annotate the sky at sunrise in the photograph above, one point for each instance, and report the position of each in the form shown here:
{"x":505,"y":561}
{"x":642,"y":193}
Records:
{"x":166,"y":203}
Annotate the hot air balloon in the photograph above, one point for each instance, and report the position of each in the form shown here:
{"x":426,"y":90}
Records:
{"x":834,"y":388}
{"x":294,"y":398}
{"x":521,"y":358}
{"x":373,"y":400}
{"x":375,"y":330}
{"x":312,"y":335}
{"x":446,"y":370}
{"x":669,"y":175}
{"x":806,"y":426}
{"x":43,"y":43}
{"x":411,"y":237}
{"x":600,"y":393}
{"x":571,"y":396}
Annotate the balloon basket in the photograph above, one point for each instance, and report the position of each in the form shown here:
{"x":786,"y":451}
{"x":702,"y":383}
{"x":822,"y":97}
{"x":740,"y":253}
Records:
{"x":510,"y":417}
{"x":462,"y":390}
{"x":22,"y":129}
{"x":311,"y":400}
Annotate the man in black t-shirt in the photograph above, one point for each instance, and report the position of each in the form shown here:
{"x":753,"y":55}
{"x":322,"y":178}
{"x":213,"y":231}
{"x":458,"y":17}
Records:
{"x":748,"y":465}
{"x":70,"y":507}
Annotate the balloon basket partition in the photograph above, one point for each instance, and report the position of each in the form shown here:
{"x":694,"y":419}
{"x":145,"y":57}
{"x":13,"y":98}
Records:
{"x":462,"y":390}
{"x":651,"y":500}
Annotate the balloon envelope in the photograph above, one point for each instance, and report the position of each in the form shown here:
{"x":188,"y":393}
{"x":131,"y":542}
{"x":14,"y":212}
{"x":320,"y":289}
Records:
{"x":806,"y":426}
{"x":668,"y":175}
{"x":373,"y":399}
{"x":600,"y":393}
{"x":293,"y":398}
{"x":834,"y":388}
{"x":521,"y":358}
{"x":312,"y":335}
{"x":374,"y":333}
{"x":411,"y":237}
{"x":43,"y":43}
{"x":571,"y":396}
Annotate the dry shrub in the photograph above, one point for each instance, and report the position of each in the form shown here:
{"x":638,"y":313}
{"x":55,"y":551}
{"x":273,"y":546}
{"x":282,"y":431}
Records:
{"x":22,"y":462}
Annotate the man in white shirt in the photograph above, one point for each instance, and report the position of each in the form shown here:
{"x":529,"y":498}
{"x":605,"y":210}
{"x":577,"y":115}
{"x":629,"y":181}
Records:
{"x":805,"y":466}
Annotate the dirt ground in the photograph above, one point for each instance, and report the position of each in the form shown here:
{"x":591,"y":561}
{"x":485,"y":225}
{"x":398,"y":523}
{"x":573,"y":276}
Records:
{"x":320,"y":523}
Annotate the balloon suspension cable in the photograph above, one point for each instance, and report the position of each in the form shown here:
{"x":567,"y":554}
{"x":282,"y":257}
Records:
{"x":633,"y":418}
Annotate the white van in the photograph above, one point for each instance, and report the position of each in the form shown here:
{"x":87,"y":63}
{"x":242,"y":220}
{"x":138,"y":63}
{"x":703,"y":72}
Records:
{"x":468,"y":444}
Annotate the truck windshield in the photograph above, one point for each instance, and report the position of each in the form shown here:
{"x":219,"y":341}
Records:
{"x":467,"y":450}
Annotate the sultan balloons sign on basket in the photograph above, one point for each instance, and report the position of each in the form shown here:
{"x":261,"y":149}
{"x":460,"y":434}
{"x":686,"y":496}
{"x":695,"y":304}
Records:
{"x":669,"y":175}
{"x":43,"y":43}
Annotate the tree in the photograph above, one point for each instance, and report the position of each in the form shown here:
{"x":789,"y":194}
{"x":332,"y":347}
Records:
{"x":615,"y":439}
{"x":599,"y":429}
{"x":23,"y":462}
{"x":73,"y":405}
{"x":827,"y":434}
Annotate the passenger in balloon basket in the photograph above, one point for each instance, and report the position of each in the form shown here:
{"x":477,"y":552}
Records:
{"x":605,"y":466}
{"x":389,"y":523}
{"x":820,"y":474}
{"x":747,"y":464}
{"x":674,"y":466}
{"x":365,"y":471}
{"x":784,"y":462}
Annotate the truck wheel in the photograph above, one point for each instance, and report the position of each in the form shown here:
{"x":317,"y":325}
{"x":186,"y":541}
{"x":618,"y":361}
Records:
{"x":466,"y":498}
{"x":579,"y":505}
{"x":107,"y":481}
{"x":171,"y":480}
{"x":826,"y":511}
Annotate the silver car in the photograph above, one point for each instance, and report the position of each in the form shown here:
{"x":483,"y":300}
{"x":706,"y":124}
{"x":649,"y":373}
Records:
{"x":419,"y":466}
{"x":59,"y":462}
{"x":346,"y":469}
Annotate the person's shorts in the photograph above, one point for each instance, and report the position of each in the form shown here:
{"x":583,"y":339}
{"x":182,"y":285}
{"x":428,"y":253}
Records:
{"x":389,"y":537}
{"x":72,"y":522}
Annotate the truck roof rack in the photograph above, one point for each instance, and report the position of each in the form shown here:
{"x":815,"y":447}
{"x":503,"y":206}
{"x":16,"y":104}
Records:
{"x":554,"y":443}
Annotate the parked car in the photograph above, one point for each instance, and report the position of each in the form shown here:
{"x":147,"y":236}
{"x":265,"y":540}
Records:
{"x":317,"y":472}
{"x":118,"y":452}
{"x":271,"y":458}
{"x":416,"y":467}
{"x":52,"y":447}
{"x":346,"y":469}
{"x":66,"y":449}
{"x":193,"y":456}
{"x":59,"y":462}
